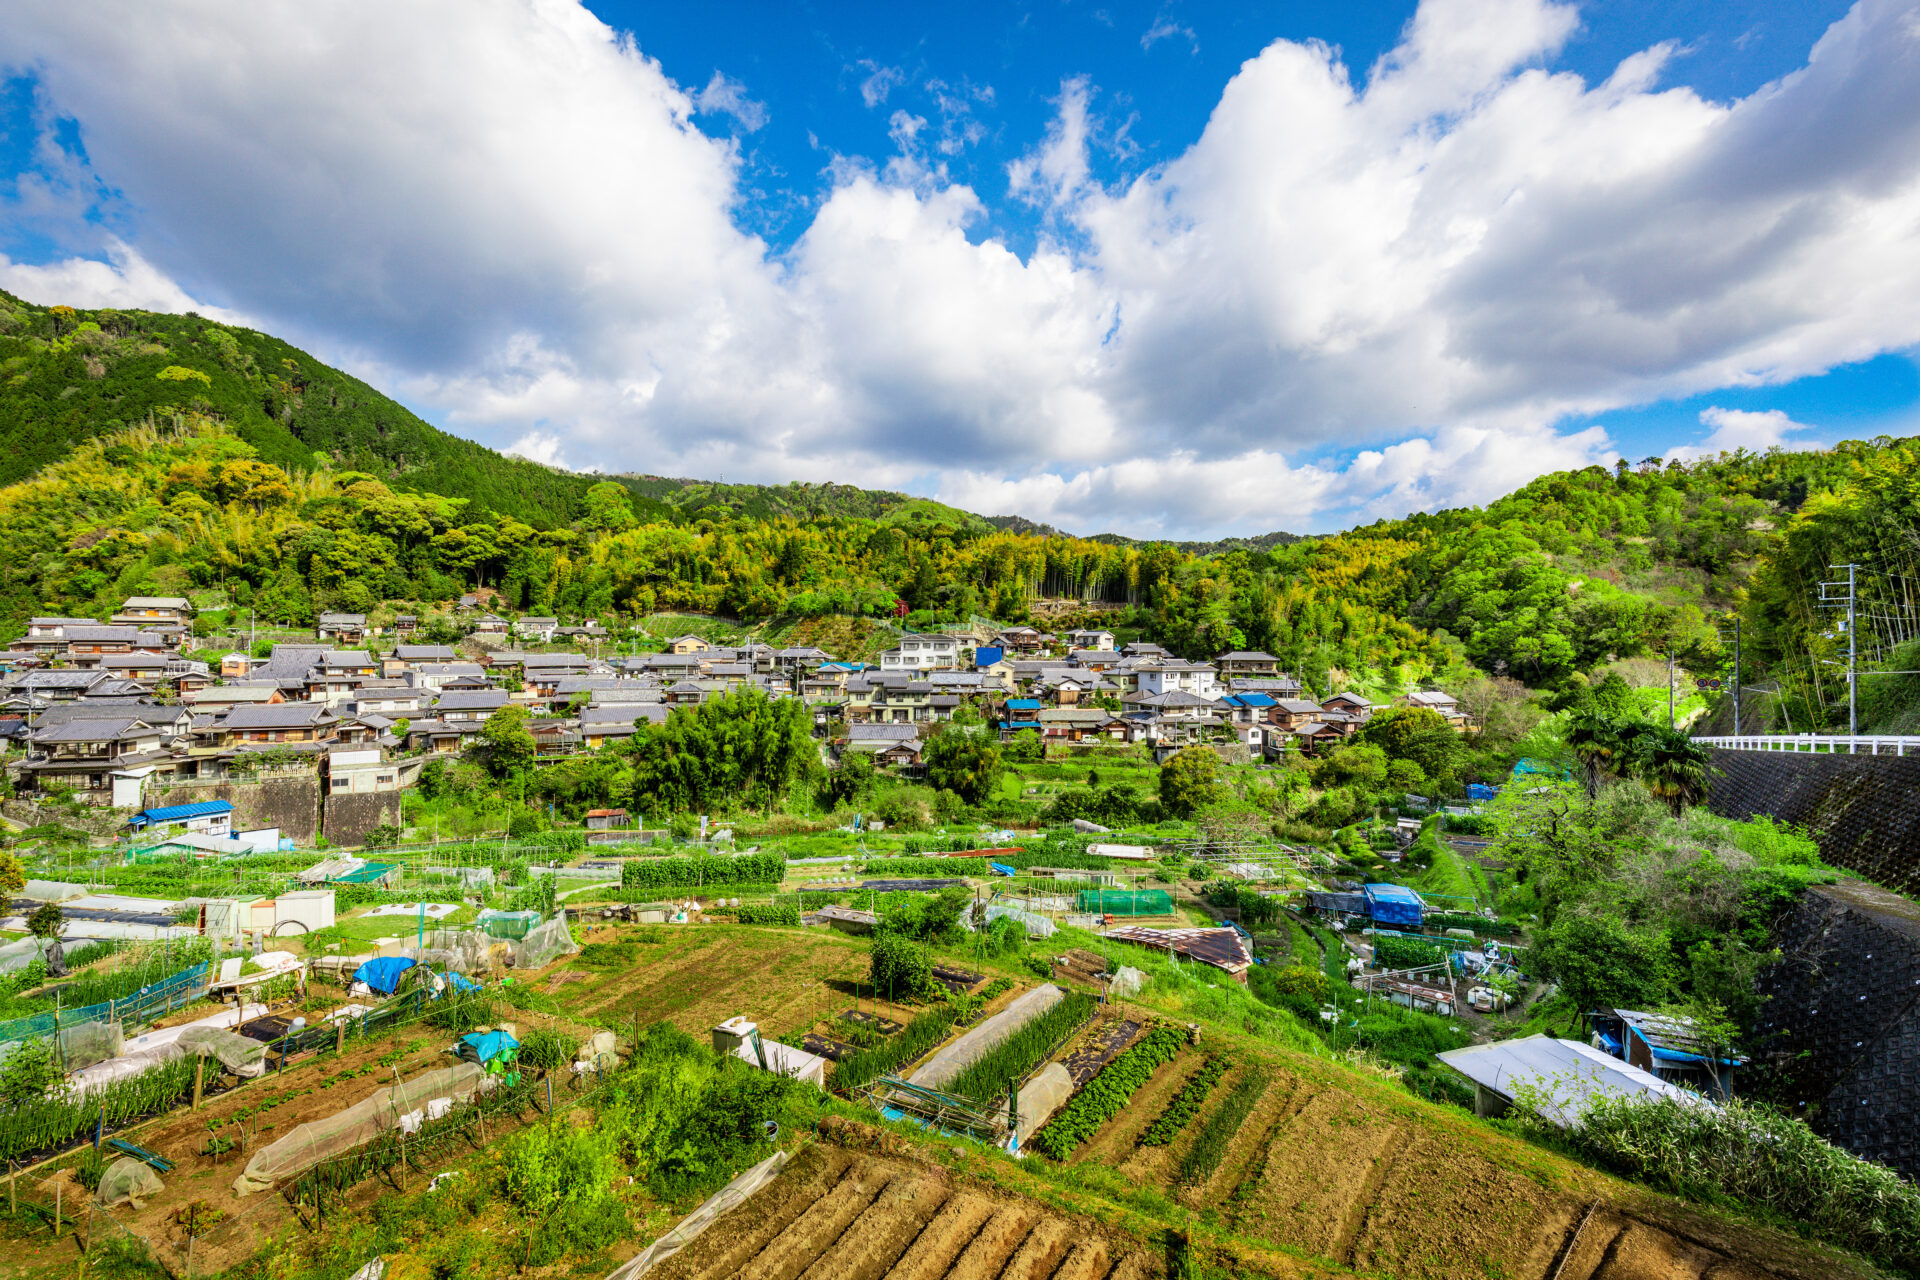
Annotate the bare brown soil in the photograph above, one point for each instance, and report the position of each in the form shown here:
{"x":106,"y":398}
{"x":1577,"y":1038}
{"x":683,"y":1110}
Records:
{"x":860,"y":1216}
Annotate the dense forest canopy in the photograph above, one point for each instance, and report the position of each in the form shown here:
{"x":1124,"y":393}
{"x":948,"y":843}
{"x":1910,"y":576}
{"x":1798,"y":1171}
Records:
{"x":170,"y":453}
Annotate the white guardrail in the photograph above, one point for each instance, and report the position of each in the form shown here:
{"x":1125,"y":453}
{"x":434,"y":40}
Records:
{"x":1875,"y":744}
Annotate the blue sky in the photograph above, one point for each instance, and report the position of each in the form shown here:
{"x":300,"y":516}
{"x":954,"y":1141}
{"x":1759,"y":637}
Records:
{"x":1168,"y":269}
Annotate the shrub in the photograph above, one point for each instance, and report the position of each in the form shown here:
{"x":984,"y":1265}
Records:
{"x":1405,"y":953}
{"x":768,"y":913}
{"x":1771,"y":1163}
{"x":902,"y":968}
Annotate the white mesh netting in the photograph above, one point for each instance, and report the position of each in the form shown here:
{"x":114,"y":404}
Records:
{"x":337,"y":1134}
{"x":945,"y":1066}
{"x":127,"y":1181}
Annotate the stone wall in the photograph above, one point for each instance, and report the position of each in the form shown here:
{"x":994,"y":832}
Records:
{"x":1860,"y":809}
{"x":1840,"y":1032}
{"x":291,"y":804}
{"x":351,"y":817}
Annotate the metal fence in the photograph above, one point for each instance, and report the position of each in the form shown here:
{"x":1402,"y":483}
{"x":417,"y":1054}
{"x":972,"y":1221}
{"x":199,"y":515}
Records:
{"x":156,"y":1001}
{"x":1873,"y":744}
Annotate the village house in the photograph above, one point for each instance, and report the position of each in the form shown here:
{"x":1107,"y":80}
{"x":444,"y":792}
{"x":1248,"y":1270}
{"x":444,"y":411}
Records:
{"x":1089,"y":639}
{"x":1080,"y":724}
{"x":276,"y":724}
{"x":1244,"y":663}
{"x":341,"y":628}
{"x":687,"y":644}
{"x":536,"y":630}
{"x":405,"y":624}
{"x":1445,"y":705}
{"x":1353,"y":705}
{"x":1021,"y":640}
{"x":144,"y":611}
{"x":920,"y":652}
{"x":1291,"y":713}
{"x":360,"y":770}
{"x":85,"y":755}
{"x":1093,"y":659}
{"x":475,"y":707}
{"x":1169,"y":675}
{"x":490,"y":624}
{"x":87,"y":645}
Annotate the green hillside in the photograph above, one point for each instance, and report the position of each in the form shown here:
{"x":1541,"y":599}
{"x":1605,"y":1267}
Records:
{"x":67,"y":376}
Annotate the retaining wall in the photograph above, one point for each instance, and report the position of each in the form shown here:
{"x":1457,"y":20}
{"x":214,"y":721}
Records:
{"x":1840,"y":1032}
{"x":1864,"y":811}
{"x":291,"y":804}
{"x":350,"y":817}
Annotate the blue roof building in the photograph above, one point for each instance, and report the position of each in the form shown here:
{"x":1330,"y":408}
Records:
{"x":213,"y":817}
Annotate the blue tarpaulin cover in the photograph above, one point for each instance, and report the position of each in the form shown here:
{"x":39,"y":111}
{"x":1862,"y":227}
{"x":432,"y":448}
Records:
{"x":485,"y":1046}
{"x":1393,"y":904}
{"x":382,"y":974}
{"x":1001,"y":868}
{"x":461,"y":982}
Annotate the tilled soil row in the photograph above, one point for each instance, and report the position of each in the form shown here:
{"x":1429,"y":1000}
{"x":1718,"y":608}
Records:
{"x":849,"y":1216}
{"x":1114,"y":1143}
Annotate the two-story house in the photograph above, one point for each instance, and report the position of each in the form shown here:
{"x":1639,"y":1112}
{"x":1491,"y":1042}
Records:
{"x":275,"y":724}
{"x":1445,"y":705}
{"x":145,"y":611}
{"x":1247,"y":663}
{"x":473,"y":707}
{"x":1089,"y":639}
{"x":687,"y":644}
{"x":923,"y":652}
{"x":1169,"y":675}
{"x":535,"y":630}
{"x":342,"y":628}
{"x":87,"y":645}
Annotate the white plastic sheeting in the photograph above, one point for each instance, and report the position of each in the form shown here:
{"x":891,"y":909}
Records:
{"x":356,"y":1126}
{"x":1127,"y":982}
{"x":729,"y":1197}
{"x":1040,"y":1097}
{"x":946,"y":1066}
{"x":1036,"y":925}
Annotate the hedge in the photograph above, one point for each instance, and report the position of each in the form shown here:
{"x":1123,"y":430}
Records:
{"x":703,"y":870}
{"x":767,"y":913}
{"x":1405,"y":953}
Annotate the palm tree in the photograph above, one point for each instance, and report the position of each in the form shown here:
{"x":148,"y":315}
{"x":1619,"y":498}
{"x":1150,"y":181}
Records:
{"x":1596,"y":739}
{"x":1673,"y":766}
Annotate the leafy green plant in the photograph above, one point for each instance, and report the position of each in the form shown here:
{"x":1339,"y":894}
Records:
{"x":901,"y":968}
{"x":1185,"y":1104}
{"x":546,"y":1050}
{"x":768,"y":913}
{"x":1025,"y":1049}
{"x":1218,"y":1133}
{"x":1106,"y":1093}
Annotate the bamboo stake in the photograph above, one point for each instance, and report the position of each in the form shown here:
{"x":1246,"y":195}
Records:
{"x":58,"y":1189}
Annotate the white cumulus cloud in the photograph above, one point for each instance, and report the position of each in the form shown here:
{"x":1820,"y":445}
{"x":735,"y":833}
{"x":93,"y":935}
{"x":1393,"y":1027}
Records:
{"x":1359,"y":291}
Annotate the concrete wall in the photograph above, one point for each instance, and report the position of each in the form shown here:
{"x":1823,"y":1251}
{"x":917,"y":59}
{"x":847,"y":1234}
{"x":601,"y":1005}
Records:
{"x":1859,"y":808}
{"x":1840,"y":1032}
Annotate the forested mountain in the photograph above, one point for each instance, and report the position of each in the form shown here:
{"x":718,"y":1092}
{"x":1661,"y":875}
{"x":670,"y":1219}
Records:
{"x":67,"y":375}
{"x":175,"y":454}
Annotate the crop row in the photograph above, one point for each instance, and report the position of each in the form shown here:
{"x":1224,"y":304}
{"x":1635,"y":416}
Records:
{"x":640,"y":875}
{"x":1106,"y":1093}
{"x":767,"y":913}
{"x":1218,"y":1133}
{"x":920,"y":1035}
{"x":1185,"y":1103}
{"x":50,"y":1119}
{"x":1014,"y":1057}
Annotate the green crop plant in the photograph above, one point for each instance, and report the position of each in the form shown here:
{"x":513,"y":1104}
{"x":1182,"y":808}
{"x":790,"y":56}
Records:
{"x":1218,"y":1133}
{"x":920,"y":1035}
{"x":768,"y":913}
{"x":1185,"y":1104}
{"x":56,"y":1118}
{"x":1106,"y":1093}
{"x":1025,"y":1049}
{"x":646,"y":876}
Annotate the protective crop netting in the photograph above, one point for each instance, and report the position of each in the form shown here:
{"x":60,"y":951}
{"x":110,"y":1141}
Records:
{"x":731,"y":1196}
{"x":1041,"y":1096}
{"x":1127,"y":902}
{"x":947,"y":1065}
{"x":512,"y":925}
{"x":464,"y":951}
{"x":544,"y":944}
{"x":321,"y":1140}
{"x":88,"y":1043}
{"x":237,"y":1053}
{"x":1036,"y":925}
{"x":127,"y":1181}
{"x":1127,"y":981}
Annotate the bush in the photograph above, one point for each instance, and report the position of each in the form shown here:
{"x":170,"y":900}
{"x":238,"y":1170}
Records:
{"x":1405,"y":953}
{"x":1771,"y":1163}
{"x":901,"y":968}
{"x":546,"y":1050}
{"x":767,"y":913}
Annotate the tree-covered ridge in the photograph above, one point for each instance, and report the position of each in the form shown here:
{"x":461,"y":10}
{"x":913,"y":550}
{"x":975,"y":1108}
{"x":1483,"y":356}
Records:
{"x":69,"y":375}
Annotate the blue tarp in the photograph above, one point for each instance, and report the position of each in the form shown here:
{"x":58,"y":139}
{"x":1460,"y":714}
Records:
{"x":460,"y":982}
{"x":1481,"y":791}
{"x":382,"y":974}
{"x":1001,"y":868}
{"x":1393,"y":904}
{"x":485,"y":1046}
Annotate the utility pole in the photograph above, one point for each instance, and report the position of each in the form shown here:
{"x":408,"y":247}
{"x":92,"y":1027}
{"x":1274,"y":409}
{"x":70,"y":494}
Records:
{"x":1833,"y":601}
{"x":1736,"y":675}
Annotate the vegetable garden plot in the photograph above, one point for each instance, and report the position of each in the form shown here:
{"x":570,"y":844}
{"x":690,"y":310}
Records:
{"x":1105,"y":1095}
{"x":834,"y":1214}
{"x":871,"y":1021}
{"x":951,"y":1062}
{"x":1100,"y":1048}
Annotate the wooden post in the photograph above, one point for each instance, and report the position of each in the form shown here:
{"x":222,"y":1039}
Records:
{"x":58,"y":1188}
{"x":199,"y":1076}
{"x":340,"y":1036}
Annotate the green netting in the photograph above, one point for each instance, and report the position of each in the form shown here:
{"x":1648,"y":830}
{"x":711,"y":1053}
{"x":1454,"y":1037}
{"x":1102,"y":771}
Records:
{"x":1126,"y":902}
{"x":368,"y":874}
{"x":511,"y":925}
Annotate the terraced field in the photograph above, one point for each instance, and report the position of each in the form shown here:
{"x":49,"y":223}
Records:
{"x":1319,"y":1168}
{"x":841,"y":1215}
